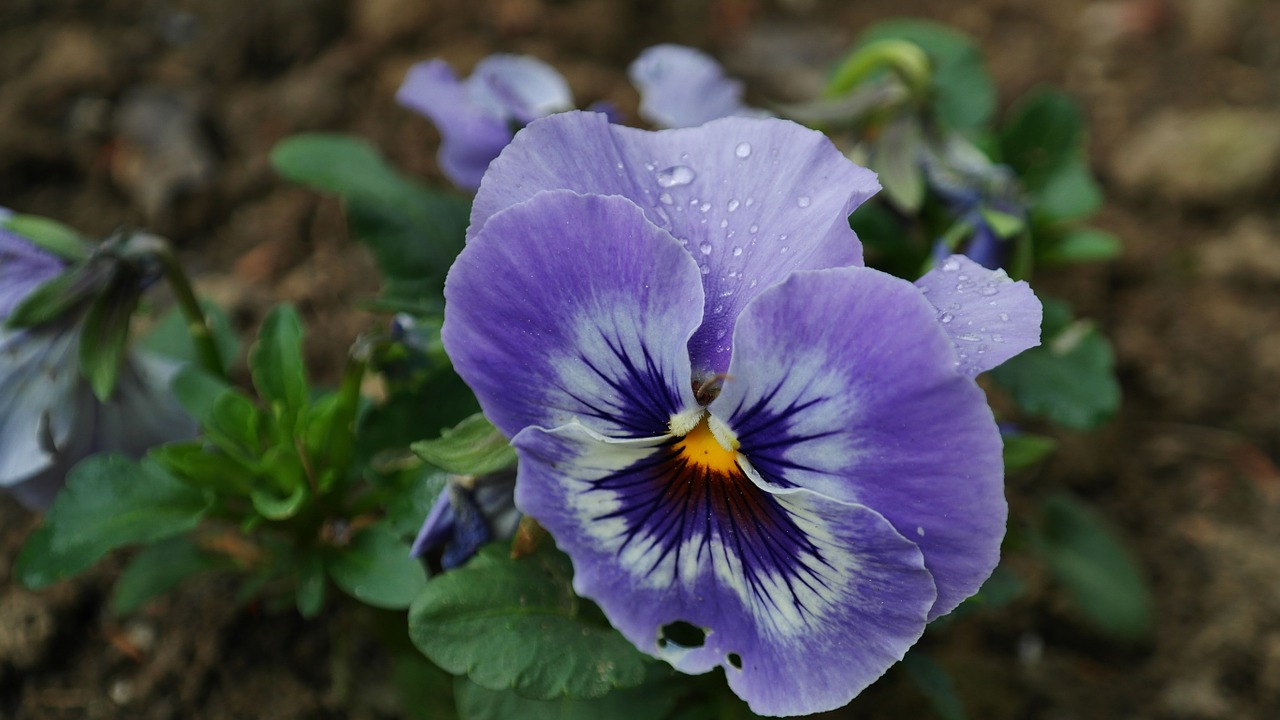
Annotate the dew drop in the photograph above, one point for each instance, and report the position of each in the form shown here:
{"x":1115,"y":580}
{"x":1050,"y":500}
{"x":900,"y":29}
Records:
{"x":743,"y":150}
{"x":751,"y":201}
{"x":755,"y":228}
{"x":946,"y":317}
{"x":970,"y":337}
{"x":1004,"y":317}
{"x":753,"y":283}
{"x":706,"y":269}
{"x":803,"y":201}
{"x":989,"y":289}
{"x":733,"y":205}
{"x":724,"y":224}
{"x":951,"y":266}
{"x":705,"y":247}
{"x":784,"y":250}
{"x":666,"y":198}
{"x":924,"y":290}
{"x":737,"y":251}
{"x":997,"y":337}
{"x":649,"y":166}
{"x":704,"y":206}
{"x":676,"y":176}
{"x":719,"y":308}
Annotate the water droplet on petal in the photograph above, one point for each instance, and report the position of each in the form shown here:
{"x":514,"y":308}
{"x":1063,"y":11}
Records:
{"x":666,"y":198}
{"x":751,"y":201}
{"x":951,"y":266}
{"x":755,"y":228}
{"x":724,"y":224}
{"x":737,"y":251}
{"x":704,"y":206}
{"x":784,"y":250}
{"x":970,"y":337}
{"x":743,"y":150}
{"x":997,"y":337}
{"x":989,"y":289}
{"x":676,"y":176}
{"x":706,"y":269}
{"x":705,"y":247}
{"x":803,"y":201}
{"x":1004,"y":317}
{"x":945,"y":317}
{"x":733,"y":205}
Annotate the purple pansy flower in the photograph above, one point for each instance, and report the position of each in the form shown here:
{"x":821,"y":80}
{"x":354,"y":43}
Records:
{"x":721,"y":417}
{"x":50,"y":418}
{"x":469,"y":512}
{"x":683,"y":87}
{"x":478,"y":116}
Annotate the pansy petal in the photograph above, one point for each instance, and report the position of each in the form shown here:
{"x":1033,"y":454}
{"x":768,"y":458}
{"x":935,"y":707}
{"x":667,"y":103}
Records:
{"x":471,"y":135}
{"x":751,"y":200}
{"x":683,"y":87}
{"x":23,"y":267}
{"x":519,"y":87}
{"x":38,"y":380}
{"x":570,"y":306}
{"x":988,"y":317}
{"x":803,"y":600}
{"x":843,"y":382}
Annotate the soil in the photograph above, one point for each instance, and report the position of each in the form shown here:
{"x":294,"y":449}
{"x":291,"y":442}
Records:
{"x":160,"y":113}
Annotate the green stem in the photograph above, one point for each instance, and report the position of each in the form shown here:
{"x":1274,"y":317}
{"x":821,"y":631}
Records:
{"x":197,"y":321}
{"x":342,"y":429}
{"x":902,"y":57}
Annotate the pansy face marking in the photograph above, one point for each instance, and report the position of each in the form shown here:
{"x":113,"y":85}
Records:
{"x":722,"y":418}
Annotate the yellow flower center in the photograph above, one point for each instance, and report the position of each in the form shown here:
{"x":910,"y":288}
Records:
{"x":701,"y":447}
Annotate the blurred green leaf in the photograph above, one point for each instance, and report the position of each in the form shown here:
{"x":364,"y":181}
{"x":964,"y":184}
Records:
{"x":376,"y":569}
{"x":103,"y":338}
{"x":49,"y":235}
{"x":312,"y":584}
{"x":472,"y":447}
{"x":110,"y":501}
{"x":896,"y":159}
{"x":516,"y":624}
{"x":408,"y":508}
{"x":414,"y":233}
{"x":169,"y":336}
{"x":443,"y":401}
{"x":1069,"y":378}
{"x":1045,"y":132}
{"x":1024,"y":450}
{"x":1080,"y":245}
{"x":274,"y":506}
{"x":1096,"y":567}
{"x":1070,"y":193}
{"x":60,"y":295}
{"x":646,"y":702}
{"x":964,"y":96}
{"x":157,"y":569}
{"x":203,"y":466}
{"x":197,"y":391}
{"x":276,"y":364}
{"x":426,"y":691}
{"x":935,"y":684}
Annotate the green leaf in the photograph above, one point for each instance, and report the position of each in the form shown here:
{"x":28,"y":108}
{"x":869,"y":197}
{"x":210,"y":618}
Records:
{"x":641,"y":703}
{"x":197,"y":391}
{"x":935,"y":684}
{"x":1003,"y":224}
{"x":408,"y":508}
{"x":312,"y":584}
{"x":203,"y":466}
{"x":1044,"y":136}
{"x":516,"y":624}
{"x":1024,"y":450}
{"x":472,"y":447}
{"x":897,"y":160}
{"x":1069,"y":378}
{"x":169,"y":336}
{"x":443,"y":401}
{"x":376,"y":569}
{"x":157,"y":569}
{"x":49,"y":235}
{"x":964,"y":96}
{"x":104,"y":336}
{"x":276,"y":364}
{"x":60,"y":295}
{"x":1096,"y":567}
{"x":1069,"y":193}
{"x":426,"y":691}
{"x":414,"y":233}
{"x":274,"y":506}
{"x":236,"y":424}
{"x":1081,"y":245}
{"x":110,"y":501}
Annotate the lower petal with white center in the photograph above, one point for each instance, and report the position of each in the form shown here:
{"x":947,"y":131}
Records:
{"x":803,"y":600}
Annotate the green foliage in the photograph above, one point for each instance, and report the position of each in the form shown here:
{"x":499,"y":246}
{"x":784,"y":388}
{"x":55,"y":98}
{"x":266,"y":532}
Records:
{"x":1024,"y":450}
{"x":376,"y":569}
{"x":275,"y":362}
{"x":415,"y":233}
{"x":515,"y":624}
{"x":650,"y":701}
{"x":104,"y":337}
{"x":1096,"y":567}
{"x":49,"y":235}
{"x":109,"y":502}
{"x":935,"y":684}
{"x":1069,"y":378}
{"x":472,"y":447}
{"x":170,"y":337}
{"x":158,"y":568}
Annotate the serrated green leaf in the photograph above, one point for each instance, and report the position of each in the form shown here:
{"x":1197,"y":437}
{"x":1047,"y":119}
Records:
{"x":1080,"y":245}
{"x":1069,"y":378}
{"x":376,"y":569}
{"x":414,"y":233}
{"x":49,"y":235}
{"x":515,"y":624}
{"x":157,"y":569}
{"x":964,"y":96}
{"x":110,"y":501}
{"x":1096,"y":567}
{"x":1024,"y":450}
{"x":312,"y":584}
{"x":472,"y":447}
{"x":276,"y":364}
{"x":640,"y":703}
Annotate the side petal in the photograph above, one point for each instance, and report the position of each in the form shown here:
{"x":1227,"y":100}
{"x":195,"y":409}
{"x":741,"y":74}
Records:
{"x":683,"y":87}
{"x":803,"y":600}
{"x":751,"y":200}
{"x":843,"y":382}
{"x":471,"y":135}
{"x":574,"y":307}
{"x":988,"y":317}
{"x":520,"y":87}
{"x":23,"y":267}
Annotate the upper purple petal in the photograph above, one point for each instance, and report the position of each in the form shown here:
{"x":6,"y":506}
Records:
{"x":572,"y":307}
{"x":804,"y":600}
{"x":23,"y":268}
{"x":843,"y":383}
{"x":519,"y":88}
{"x":683,"y":87}
{"x":751,"y":200}
{"x":471,"y":133}
{"x":988,"y":317}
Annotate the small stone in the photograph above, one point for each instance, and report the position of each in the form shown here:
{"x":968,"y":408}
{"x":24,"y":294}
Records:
{"x":26,"y":629}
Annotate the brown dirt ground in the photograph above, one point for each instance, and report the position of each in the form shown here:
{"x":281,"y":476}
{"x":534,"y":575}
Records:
{"x":1186,"y":472}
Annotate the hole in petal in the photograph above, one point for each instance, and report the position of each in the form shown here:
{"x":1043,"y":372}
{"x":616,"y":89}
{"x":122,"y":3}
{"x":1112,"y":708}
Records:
{"x":681,"y":634}
{"x":735,"y":660}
